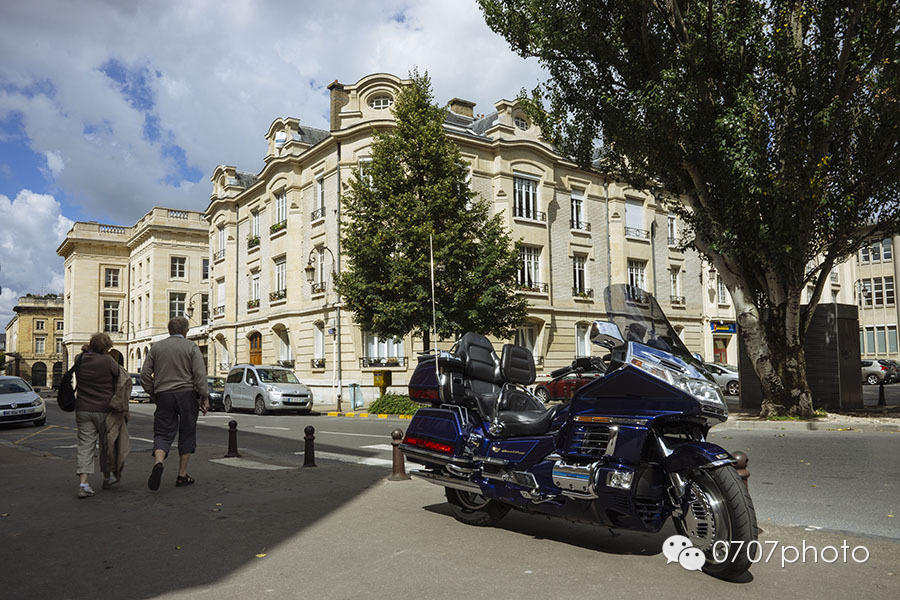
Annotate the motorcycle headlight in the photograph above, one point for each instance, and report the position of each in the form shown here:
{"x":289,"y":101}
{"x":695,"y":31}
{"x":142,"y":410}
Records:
{"x":706,"y":393}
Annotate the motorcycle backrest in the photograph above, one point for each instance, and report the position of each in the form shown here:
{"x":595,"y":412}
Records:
{"x":517,"y":365}
{"x":482,"y":371}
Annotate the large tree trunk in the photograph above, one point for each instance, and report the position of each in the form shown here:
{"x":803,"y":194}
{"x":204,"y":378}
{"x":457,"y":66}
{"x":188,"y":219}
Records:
{"x":775,"y":346}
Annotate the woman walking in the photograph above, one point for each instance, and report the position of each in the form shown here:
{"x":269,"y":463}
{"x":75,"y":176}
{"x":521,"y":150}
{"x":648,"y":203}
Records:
{"x":96,"y":373}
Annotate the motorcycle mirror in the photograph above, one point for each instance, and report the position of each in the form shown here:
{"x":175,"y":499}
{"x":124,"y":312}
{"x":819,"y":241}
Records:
{"x":606,"y":334}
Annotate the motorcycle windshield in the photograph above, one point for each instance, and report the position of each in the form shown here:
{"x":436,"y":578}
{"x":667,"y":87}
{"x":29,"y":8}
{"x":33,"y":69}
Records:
{"x":640,"y":319}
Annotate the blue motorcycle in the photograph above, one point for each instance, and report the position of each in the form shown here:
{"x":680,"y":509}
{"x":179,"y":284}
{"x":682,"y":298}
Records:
{"x":628,"y":451}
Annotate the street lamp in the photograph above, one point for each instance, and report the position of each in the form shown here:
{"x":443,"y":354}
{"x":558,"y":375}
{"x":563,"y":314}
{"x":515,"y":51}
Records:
{"x":310,"y":271}
{"x":190,"y":309}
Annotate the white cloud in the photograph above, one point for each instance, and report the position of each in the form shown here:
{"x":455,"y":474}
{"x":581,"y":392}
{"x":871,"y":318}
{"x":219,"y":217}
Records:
{"x":31,"y":228}
{"x":220,"y":73}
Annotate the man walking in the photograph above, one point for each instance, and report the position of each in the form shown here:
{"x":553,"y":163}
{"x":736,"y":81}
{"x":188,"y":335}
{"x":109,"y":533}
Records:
{"x":175,"y":376}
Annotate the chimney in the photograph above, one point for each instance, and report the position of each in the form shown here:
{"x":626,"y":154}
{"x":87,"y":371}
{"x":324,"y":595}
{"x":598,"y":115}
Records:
{"x":462,"y":107}
{"x":339,"y":99}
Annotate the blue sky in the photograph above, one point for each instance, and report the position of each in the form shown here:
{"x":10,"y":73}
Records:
{"x":108,"y":109}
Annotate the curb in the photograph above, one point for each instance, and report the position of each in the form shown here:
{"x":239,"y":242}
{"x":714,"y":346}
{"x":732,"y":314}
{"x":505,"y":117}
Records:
{"x":806,"y":426}
{"x":365,"y":415}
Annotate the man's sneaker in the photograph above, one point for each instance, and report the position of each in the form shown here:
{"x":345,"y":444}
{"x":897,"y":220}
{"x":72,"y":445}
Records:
{"x":108,"y":483}
{"x":85,"y":491}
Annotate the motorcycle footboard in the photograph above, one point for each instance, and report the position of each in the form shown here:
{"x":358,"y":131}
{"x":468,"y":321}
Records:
{"x":435,"y":435}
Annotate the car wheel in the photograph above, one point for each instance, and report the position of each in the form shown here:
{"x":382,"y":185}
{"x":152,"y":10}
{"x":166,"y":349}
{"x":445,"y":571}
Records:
{"x":39,"y":422}
{"x":227,"y":403}
{"x":259,"y":407}
{"x":872,"y":379}
{"x":542,"y":394}
{"x":732,"y":388}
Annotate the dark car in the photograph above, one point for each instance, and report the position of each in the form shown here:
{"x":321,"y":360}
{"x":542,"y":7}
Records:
{"x":566,"y":381}
{"x":216,"y":388}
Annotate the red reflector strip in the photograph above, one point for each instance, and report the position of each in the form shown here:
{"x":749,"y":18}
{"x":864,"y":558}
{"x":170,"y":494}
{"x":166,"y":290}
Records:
{"x":429,"y":445}
{"x":423,"y":394}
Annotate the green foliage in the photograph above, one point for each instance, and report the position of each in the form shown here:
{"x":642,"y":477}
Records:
{"x":774,"y":123}
{"x":394,"y":404}
{"x":416,"y":186}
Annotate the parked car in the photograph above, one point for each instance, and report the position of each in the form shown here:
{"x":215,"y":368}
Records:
{"x":567,"y":380}
{"x":893,"y":372}
{"x":873,"y":372}
{"x":19,"y":403}
{"x":264,"y":388}
{"x":215,"y":386}
{"x":726,"y":376}
{"x":137,"y":390}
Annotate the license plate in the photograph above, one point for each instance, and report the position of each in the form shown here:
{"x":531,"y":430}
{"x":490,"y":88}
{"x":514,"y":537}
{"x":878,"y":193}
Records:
{"x":15,"y":411}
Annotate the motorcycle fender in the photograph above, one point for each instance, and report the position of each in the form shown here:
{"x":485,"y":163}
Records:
{"x":692,"y":455}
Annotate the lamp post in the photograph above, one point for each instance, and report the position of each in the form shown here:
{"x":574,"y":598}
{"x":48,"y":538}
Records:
{"x":127,"y":339}
{"x":310,"y":271}
{"x":190,"y":308}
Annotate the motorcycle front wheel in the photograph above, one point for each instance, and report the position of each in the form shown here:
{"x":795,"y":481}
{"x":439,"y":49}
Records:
{"x":474,"y":509}
{"x":719,"y":519}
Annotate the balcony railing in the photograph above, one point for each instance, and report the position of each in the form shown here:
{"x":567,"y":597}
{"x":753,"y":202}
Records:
{"x":276,"y":227}
{"x":317,"y":363}
{"x":278,"y":295}
{"x":219,"y":311}
{"x":219,"y":255}
{"x":387,"y":361}
{"x":317,"y":214}
{"x":582,"y":292}
{"x":634,"y":232}
{"x":676,"y":300}
{"x":253,"y":303}
{"x":317,"y":288}
{"x":534,"y":215}
{"x":252,"y":241}
{"x":579,"y":225}
{"x":537,"y":288}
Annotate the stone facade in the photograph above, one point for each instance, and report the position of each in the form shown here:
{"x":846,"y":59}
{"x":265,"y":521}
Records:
{"x":875,"y":275}
{"x":581,"y":230}
{"x":128,"y":281}
{"x":35,"y":340}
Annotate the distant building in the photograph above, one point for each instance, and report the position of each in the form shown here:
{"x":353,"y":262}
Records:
{"x":875,"y":273}
{"x":35,"y":350}
{"x":129,"y":281}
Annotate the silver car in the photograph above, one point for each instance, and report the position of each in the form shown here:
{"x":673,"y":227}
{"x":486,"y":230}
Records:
{"x":265,"y":388}
{"x":726,"y":376}
{"x":19,"y":403}
{"x":138,"y":394}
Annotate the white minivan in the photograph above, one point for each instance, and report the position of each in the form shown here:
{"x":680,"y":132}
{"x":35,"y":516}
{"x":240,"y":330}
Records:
{"x":264,"y":388}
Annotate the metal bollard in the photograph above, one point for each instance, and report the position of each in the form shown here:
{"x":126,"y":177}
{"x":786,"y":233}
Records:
{"x":232,"y":440}
{"x":398,"y":468}
{"x":881,"y":394}
{"x":309,"y":449}
{"x":741,"y":466}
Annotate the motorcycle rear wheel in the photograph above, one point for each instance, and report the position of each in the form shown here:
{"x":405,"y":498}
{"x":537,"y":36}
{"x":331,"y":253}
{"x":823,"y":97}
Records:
{"x":474,"y":509}
{"x":720,"y":520}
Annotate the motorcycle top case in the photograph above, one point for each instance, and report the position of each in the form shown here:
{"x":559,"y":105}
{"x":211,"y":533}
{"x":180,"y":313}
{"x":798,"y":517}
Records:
{"x":423,"y":384}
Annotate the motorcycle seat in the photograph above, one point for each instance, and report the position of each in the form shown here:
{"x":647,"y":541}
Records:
{"x":523,"y":423}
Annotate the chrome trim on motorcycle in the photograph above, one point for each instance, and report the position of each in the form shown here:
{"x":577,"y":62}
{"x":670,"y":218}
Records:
{"x":465,"y":486}
{"x":611,"y":444}
{"x":718,"y":463}
{"x":576,"y":481}
{"x":419,"y":455}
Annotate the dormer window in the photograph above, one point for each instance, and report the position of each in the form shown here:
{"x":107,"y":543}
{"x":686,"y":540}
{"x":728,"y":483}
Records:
{"x":280,"y":139}
{"x":381,"y":101}
{"x":521,"y":123}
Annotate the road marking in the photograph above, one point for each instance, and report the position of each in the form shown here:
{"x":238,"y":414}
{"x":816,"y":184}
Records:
{"x":269,"y":427}
{"x":31,"y":435}
{"x":66,"y":447}
{"x":249,"y":464}
{"x":386,"y":447}
{"x":140,"y":439}
{"x":349,"y":458}
{"x":381,"y":437}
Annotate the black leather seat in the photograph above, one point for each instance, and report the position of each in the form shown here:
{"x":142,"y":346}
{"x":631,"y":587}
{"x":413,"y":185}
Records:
{"x":526,"y":422}
{"x":517,"y":367}
{"x":481,"y":371}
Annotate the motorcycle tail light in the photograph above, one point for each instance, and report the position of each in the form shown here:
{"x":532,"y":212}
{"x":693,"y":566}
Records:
{"x":429,"y":445}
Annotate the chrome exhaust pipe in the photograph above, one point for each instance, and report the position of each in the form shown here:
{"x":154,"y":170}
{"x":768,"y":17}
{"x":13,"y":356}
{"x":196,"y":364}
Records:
{"x":451,"y":482}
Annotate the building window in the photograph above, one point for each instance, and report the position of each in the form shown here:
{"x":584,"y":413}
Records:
{"x":672,"y":230}
{"x":285,"y":352}
{"x":220,"y":297}
{"x":176,"y":304}
{"x":204,"y":309}
{"x":878,"y":294}
{"x":721,"y":291}
{"x":634,"y":219}
{"x":525,"y":198}
{"x":220,"y":235}
{"x":383,"y":352}
{"x":636,"y":270}
{"x":577,"y":211}
{"x":279,"y":218}
{"x":888,"y":291}
{"x":280,"y":278}
{"x":111,"y":278}
{"x":876,"y":291}
{"x":675,"y":282}
{"x":205,"y":269}
{"x":40,"y":344}
{"x":254,"y":288}
{"x":529,"y":266}
{"x":60,"y":325}
{"x":864,"y":254}
{"x":147,"y":310}
{"x":525,"y":337}
{"x":59,"y":343}
{"x":320,"y":195}
{"x":520,"y":123}
{"x":39,"y":324}
{"x":579,"y":285}
{"x":582,"y":340}
{"x":110,"y":316}
{"x":870,"y":340}
{"x":254,"y":224}
{"x":381,"y":101}
{"x":319,"y":342}
{"x":177,"y":267}
{"x":892,"y":339}
{"x":887,"y":250}
{"x":141,"y":271}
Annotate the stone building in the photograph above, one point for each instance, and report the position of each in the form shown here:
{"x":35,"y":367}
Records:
{"x":34,"y":337}
{"x":578,"y":232}
{"x":875,"y":272}
{"x":129,"y":281}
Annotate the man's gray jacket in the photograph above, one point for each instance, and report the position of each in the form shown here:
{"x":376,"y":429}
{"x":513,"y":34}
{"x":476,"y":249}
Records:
{"x":174,"y":364}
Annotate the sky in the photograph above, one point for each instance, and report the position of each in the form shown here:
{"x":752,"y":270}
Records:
{"x":111,"y":107}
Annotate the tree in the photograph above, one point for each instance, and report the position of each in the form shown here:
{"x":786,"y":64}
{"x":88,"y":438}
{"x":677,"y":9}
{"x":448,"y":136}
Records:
{"x":773,"y":123}
{"x":414,"y":187}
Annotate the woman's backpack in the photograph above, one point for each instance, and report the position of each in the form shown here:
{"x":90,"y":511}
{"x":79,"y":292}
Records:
{"x":65,"y":396}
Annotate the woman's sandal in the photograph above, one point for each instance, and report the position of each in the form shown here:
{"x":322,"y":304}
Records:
{"x":182,"y":481}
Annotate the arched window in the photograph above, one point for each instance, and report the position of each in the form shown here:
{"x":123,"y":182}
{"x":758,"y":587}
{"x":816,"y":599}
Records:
{"x":39,"y":375}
